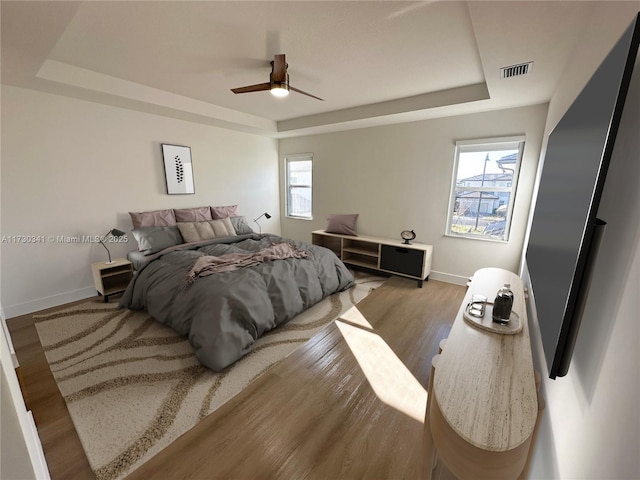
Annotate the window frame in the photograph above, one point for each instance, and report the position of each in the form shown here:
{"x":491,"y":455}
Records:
{"x":482,"y":145}
{"x":288,"y":159}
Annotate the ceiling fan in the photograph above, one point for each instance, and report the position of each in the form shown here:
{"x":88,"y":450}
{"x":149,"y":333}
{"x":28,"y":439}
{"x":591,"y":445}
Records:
{"x":278,"y":82}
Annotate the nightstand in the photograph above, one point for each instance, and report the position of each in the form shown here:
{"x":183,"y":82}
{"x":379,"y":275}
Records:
{"x":112,"y":278}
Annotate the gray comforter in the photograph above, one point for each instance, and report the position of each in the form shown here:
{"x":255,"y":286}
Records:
{"x":224,"y":313}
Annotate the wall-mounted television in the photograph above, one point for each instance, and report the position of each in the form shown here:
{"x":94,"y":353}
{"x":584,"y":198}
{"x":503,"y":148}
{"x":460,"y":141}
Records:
{"x":565,"y":231}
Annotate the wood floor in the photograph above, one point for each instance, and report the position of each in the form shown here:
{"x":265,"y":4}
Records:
{"x":314,"y":416}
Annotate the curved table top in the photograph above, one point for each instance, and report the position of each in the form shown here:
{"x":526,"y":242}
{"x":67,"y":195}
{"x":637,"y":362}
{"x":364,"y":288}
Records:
{"x":484,"y":382}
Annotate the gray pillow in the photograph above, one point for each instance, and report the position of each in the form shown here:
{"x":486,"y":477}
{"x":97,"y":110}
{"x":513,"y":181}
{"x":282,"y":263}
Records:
{"x":153,"y":239}
{"x":240,"y":225}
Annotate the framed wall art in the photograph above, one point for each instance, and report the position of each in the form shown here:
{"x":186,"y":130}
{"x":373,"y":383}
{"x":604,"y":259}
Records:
{"x":178,"y":169}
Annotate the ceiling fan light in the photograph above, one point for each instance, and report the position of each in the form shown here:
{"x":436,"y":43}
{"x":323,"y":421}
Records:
{"x":279,"y":90}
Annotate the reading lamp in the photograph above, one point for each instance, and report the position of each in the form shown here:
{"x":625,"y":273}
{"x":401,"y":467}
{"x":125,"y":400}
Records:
{"x":265,"y":215}
{"x":116,"y":233}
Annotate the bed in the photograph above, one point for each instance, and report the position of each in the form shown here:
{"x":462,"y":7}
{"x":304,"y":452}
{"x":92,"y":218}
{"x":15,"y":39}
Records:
{"x":223,"y":310}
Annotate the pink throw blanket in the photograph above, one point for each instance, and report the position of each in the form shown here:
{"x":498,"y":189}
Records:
{"x":209,"y":264}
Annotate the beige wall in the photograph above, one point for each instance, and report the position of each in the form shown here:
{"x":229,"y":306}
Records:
{"x":399,"y":177}
{"x":70,"y":167}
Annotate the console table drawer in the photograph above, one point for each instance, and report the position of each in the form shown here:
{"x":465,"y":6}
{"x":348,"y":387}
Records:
{"x":402,"y":260}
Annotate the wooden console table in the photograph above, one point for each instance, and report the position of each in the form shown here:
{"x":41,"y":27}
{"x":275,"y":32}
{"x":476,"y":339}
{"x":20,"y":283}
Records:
{"x":411,"y":260}
{"x":482,"y":407}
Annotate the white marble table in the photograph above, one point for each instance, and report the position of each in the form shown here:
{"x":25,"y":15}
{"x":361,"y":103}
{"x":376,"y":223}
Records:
{"x":483,"y":407}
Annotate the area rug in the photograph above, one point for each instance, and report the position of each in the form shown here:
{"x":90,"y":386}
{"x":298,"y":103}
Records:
{"x":132,"y":385}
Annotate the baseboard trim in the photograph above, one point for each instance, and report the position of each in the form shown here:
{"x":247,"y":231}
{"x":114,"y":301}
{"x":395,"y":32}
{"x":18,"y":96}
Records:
{"x":47,"y":302}
{"x":36,"y":305}
{"x":449,"y":278}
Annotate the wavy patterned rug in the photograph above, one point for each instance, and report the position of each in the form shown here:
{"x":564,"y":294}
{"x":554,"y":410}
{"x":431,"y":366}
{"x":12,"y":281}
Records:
{"x":132,"y":386}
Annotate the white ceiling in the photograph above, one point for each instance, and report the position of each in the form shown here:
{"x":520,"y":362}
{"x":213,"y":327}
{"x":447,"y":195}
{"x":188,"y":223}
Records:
{"x":373,"y":62}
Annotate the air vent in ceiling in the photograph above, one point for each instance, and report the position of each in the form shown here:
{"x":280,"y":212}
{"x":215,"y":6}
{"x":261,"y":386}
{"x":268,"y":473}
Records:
{"x":515,"y":70}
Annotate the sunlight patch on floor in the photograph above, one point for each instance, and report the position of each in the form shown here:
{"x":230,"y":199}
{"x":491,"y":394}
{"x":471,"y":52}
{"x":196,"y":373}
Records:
{"x":353,"y":315}
{"x":389,"y":378}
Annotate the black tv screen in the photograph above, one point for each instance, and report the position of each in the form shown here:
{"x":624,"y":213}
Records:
{"x":564,"y":221}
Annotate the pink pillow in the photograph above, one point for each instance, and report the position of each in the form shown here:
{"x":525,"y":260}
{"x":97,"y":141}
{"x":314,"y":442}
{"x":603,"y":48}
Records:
{"x":223,"y":212}
{"x":156,"y":218}
{"x":197,"y":214}
{"x":342,"y":224}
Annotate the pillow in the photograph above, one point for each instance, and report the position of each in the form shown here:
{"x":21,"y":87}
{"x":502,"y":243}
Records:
{"x":224,"y":212}
{"x":342,"y":224}
{"x":208,"y":230}
{"x":156,"y":218}
{"x":153,"y":239}
{"x":197,"y":214}
{"x":240,"y":225}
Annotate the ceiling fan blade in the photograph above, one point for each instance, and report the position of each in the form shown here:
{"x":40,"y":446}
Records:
{"x":252,"y":88}
{"x":279,"y":70}
{"x":305,"y":93}
{"x":279,"y":78}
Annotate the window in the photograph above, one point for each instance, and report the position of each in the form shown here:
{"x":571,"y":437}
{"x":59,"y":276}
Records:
{"x":483,"y":190}
{"x":298,"y":172}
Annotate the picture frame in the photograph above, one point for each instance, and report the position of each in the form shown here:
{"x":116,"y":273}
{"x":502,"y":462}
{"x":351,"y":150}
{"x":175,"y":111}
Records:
{"x":178,"y":169}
